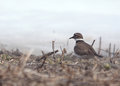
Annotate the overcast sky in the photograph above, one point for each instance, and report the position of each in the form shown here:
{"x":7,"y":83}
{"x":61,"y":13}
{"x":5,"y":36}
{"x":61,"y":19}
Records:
{"x":34,"y":22}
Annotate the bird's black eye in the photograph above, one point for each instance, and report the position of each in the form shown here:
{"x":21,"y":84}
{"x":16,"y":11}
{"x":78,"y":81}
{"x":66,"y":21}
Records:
{"x":75,"y":36}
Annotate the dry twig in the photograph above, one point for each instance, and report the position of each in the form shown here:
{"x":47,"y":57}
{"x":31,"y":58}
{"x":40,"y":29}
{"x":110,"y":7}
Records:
{"x":109,"y":51}
{"x":44,"y":57}
{"x":53,"y":47}
{"x":93,"y":42}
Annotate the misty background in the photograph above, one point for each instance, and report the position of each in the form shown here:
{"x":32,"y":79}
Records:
{"x":34,"y":24}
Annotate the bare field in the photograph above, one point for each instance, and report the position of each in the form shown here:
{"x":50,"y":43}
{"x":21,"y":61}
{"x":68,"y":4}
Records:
{"x":18,"y":69}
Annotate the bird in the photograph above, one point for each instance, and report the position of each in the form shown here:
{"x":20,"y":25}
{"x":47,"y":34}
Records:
{"x":82,"y":48}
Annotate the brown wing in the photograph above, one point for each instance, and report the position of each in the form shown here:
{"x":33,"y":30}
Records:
{"x":83,"y":48}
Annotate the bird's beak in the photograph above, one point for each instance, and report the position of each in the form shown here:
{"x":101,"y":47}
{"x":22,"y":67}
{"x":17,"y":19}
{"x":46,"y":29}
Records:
{"x":71,"y":37}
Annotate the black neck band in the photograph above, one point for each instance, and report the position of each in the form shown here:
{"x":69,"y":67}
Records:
{"x":79,"y":41}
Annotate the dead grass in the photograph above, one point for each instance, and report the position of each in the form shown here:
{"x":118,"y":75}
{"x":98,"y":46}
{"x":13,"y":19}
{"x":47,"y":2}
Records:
{"x":18,"y":69}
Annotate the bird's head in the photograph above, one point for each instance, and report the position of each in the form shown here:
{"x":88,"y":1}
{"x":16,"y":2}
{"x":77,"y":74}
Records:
{"x":77,"y":36}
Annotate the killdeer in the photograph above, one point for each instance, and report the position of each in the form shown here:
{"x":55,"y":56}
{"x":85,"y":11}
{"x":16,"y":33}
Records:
{"x":82,"y":48}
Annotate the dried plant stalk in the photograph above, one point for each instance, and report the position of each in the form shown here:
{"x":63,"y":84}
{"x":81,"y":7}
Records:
{"x":109,"y":51}
{"x":114,"y":50}
{"x":46,"y":55}
{"x":117,"y":52}
{"x":63,"y":53}
{"x":24,"y":59}
{"x":100,"y":42}
{"x":93,"y":42}
{"x":53,"y":47}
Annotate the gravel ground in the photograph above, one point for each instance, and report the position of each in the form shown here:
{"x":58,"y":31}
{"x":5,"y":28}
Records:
{"x":17,"y":69}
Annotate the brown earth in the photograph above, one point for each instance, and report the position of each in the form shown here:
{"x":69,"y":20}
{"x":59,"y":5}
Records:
{"x":18,"y":69}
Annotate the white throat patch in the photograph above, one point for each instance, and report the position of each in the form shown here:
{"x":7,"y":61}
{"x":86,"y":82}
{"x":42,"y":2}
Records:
{"x":78,"y":39}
